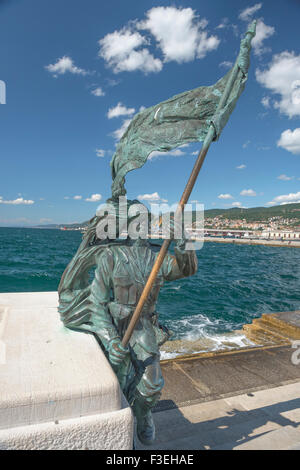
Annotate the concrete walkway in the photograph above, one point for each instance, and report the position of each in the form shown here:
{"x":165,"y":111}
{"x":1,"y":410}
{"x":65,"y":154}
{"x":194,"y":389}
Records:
{"x":59,"y":392}
{"x":263,"y":420}
{"x":240,"y":400}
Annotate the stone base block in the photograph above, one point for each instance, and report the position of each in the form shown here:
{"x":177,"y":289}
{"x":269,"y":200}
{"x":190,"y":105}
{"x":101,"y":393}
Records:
{"x":108,"y":431}
{"x":58,"y":390}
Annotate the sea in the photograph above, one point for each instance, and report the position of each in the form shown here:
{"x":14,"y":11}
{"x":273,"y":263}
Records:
{"x":234,"y":283}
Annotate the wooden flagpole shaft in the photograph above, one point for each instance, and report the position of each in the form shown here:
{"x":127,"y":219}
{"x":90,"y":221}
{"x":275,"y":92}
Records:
{"x":184,"y":199}
{"x":165,"y":246}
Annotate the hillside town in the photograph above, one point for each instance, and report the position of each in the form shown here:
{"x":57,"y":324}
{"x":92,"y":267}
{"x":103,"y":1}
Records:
{"x":272,"y":228}
{"x":277,"y":227}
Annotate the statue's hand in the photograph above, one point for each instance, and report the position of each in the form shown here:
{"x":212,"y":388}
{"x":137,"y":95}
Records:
{"x":116,"y":353}
{"x":177,"y":233}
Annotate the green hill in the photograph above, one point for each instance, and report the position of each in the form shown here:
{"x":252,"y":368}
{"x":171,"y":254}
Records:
{"x":253,"y":214}
{"x":287,"y":211}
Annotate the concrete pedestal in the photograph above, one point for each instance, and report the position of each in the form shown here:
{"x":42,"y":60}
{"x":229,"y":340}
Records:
{"x":58,"y":391}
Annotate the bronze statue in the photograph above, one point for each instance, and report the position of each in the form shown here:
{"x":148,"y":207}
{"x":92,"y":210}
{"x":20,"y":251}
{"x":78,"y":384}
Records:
{"x":105,"y":307}
{"x":118,"y":304}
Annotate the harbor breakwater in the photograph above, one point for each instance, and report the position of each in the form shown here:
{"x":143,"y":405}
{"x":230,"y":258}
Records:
{"x":256,"y":241}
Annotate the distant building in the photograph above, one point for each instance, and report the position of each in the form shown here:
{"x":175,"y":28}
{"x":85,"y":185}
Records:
{"x":286,"y":235}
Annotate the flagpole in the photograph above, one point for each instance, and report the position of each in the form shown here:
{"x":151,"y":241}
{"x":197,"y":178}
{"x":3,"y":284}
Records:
{"x":185,"y":196}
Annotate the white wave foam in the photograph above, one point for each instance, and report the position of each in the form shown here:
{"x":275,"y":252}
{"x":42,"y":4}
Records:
{"x":209,"y":343}
{"x":198,"y":333}
{"x":192,"y":327}
{"x":230,"y":341}
{"x":167,"y":355}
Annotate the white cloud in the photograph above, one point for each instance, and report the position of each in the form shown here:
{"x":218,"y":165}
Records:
{"x":245,"y":145}
{"x":248,"y":192}
{"x":173,"y":153}
{"x":63,"y":65}
{"x":94,"y":198}
{"x":283,"y":78}
{"x":263,"y":147}
{"x":226,"y":64}
{"x":151,"y":197}
{"x":120,"y":44}
{"x":118,"y":49}
{"x":206,"y":44}
{"x":184,"y":146}
{"x":117,"y":134}
{"x":120,"y":110}
{"x":225,"y":23}
{"x":100,"y":153}
{"x":241,"y":167}
{"x":140,"y":60}
{"x":290,"y":141}
{"x":76,"y":198}
{"x":285,"y":177}
{"x":179,"y":34}
{"x":225,"y":196}
{"x":292,"y":202}
{"x":265,"y":101}
{"x":98,"y":92}
{"x":247,"y":14}
{"x":263,"y":32}
{"x":286,"y":199}
{"x":237,"y":204}
{"x":17,"y":201}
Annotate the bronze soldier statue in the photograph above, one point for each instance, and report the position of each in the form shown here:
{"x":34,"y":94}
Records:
{"x":122,"y":287}
{"x":105,"y":306}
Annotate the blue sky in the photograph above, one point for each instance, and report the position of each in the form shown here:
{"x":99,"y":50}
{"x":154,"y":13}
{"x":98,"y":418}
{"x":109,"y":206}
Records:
{"x":77,"y":71}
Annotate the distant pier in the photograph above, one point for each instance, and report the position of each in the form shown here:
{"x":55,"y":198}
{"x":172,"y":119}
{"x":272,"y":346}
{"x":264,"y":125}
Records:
{"x":255,"y":241}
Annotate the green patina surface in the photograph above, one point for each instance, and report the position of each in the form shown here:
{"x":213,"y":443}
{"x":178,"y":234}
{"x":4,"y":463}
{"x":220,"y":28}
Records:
{"x":104,"y":306}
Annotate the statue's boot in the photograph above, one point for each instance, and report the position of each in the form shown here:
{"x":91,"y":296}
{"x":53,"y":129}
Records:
{"x":145,"y":425}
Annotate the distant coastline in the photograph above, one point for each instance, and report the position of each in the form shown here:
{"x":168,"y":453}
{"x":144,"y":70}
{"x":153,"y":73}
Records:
{"x":281,"y":217}
{"x":257,"y":241}
{"x":234,"y":241}
{"x":234,"y":283}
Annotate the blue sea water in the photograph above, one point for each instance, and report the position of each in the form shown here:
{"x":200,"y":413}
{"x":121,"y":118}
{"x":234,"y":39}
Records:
{"x":233,"y":285}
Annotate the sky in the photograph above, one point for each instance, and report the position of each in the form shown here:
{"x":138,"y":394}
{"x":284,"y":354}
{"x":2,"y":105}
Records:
{"x":74,"y":73}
